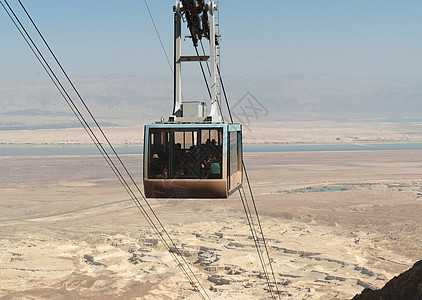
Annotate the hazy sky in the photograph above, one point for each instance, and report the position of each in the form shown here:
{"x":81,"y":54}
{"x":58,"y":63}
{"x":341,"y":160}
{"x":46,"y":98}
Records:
{"x":345,"y":37}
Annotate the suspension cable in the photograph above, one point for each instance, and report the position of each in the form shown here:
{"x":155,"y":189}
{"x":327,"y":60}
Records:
{"x":203,"y":51}
{"x":260,"y":226}
{"x":255,"y":237}
{"x":203,"y":73}
{"x":205,"y":78}
{"x":247,"y":210}
{"x":225,"y":95}
{"x":161,"y":42}
{"x":74,"y":110}
{"x":159,"y":36}
{"x":163,"y":233}
{"x":186,"y":270}
{"x":244,"y":199}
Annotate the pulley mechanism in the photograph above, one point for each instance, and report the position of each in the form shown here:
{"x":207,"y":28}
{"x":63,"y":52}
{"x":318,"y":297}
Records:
{"x":195,"y":13}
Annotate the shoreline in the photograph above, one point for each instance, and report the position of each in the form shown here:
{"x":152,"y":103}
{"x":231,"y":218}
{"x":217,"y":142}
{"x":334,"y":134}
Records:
{"x":282,"y":132}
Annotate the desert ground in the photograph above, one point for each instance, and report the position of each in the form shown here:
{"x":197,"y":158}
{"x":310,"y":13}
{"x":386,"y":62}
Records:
{"x":335,"y":223}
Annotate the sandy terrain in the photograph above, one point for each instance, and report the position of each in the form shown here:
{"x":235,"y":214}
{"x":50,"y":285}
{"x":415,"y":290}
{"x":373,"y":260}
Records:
{"x":335,"y":222}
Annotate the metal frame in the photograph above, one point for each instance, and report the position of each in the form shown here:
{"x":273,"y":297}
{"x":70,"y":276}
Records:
{"x":214,"y":114}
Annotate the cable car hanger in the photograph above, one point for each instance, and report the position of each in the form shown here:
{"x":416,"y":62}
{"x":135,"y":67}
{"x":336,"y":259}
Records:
{"x":194,"y":153}
{"x":200,"y":25}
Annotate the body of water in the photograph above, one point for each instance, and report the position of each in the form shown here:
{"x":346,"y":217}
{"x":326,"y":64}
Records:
{"x":46,"y":150}
{"x":332,"y":147}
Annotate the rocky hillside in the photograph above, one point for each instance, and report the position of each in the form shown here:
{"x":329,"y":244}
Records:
{"x":406,"y":286}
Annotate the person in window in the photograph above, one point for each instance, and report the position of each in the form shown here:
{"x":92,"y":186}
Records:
{"x":205,"y":167}
{"x":215,"y":170}
{"x":190,"y":169}
{"x":178,"y":160}
{"x":157,"y":167}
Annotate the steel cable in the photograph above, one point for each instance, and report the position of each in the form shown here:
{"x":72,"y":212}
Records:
{"x":159,"y":36}
{"x":251,"y":193}
{"x":255,"y":237}
{"x":117,"y":172}
{"x":100,"y":147}
{"x":203,"y":74}
{"x":244,"y":200}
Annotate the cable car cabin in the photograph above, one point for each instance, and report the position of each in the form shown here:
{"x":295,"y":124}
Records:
{"x":196,"y":160}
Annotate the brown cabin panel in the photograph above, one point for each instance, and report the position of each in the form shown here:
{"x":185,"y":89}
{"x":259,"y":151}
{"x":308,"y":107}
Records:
{"x":185,"y":188}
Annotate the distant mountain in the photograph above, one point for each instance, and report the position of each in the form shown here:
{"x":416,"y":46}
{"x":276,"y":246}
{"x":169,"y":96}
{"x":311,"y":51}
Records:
{"x":132,"y":100}
{"x":330,"y":97}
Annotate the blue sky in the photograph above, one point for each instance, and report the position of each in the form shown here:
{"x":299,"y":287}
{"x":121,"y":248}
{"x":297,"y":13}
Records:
{"x":344,"y":37}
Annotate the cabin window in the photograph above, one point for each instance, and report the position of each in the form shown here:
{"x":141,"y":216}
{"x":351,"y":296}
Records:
{"x":158,"y":161}
{"x":186,"y":153}
{"x":235,"y":159}
{"x":211,"y":153}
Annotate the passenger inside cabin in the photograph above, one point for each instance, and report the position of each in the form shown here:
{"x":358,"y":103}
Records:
{"x":205,"y":166}
{"x":215,"y":170}
{"x":199,"y":161}
{"x":157,"y":167}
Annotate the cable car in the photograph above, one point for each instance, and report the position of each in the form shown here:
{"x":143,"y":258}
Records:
{"x":193,"y":154}
{"x":192,"y":160}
